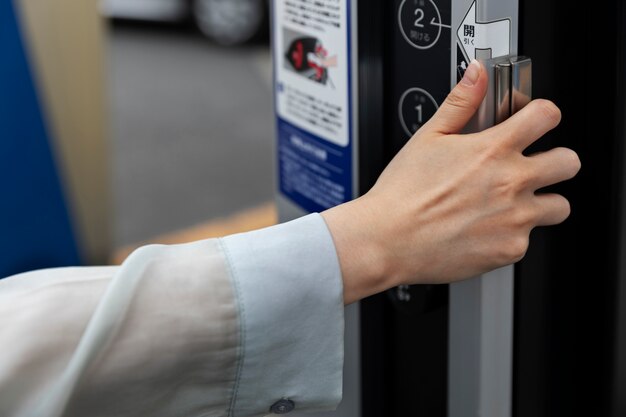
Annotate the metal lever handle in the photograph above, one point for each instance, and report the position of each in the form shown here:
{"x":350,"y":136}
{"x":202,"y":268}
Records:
{"x":513,"y":86}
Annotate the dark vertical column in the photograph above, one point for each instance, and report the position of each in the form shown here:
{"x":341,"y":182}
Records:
{"x":619,"y":376}
{"x":372,"y":38}
{"x":566,"y":304}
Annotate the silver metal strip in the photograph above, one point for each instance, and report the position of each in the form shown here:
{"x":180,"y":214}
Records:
{"x":481,"y":309}
{"x":481,"y":346}
{"x":503,"y":91}
{"x":521,"y":82}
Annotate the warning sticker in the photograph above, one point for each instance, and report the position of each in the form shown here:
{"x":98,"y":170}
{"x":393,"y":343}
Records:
{"x":313,"y":101}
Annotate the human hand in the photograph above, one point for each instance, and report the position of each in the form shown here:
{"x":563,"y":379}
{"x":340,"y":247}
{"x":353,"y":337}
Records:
{"x":451,"y":206}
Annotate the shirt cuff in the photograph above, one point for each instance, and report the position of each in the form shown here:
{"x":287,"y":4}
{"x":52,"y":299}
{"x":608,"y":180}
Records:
{"x":290,"y":293}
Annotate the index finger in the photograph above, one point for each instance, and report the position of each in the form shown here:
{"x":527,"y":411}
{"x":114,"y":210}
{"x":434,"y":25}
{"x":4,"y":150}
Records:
{"x":529,"y":124}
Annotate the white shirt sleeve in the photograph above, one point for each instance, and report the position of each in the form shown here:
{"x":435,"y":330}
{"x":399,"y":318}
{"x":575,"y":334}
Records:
{"x":232,"y":327}
{"x":290,"y":290}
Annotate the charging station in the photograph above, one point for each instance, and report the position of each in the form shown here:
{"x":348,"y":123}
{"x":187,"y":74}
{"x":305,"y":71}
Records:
{"x":353,"y":81}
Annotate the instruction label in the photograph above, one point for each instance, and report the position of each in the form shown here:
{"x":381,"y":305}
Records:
{"x":312,"y":69}
{"x":493,"y":36}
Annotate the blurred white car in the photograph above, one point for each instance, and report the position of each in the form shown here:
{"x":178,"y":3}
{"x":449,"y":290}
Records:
{"x":227,"y":22}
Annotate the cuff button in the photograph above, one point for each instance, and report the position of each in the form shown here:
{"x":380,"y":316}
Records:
{"x":283,"y":406}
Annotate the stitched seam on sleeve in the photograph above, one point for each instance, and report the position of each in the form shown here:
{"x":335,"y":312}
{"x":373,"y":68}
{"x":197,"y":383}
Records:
{"x":242,"y":327}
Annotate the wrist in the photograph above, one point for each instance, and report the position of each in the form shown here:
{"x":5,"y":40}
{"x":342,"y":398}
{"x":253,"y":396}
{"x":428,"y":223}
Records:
{"x":360,"y":244}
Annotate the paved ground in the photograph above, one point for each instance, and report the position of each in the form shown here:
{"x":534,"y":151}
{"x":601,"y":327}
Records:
{"x":192,"y":129}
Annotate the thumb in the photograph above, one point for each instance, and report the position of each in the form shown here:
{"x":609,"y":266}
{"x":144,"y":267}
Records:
{"x":462,"y":102}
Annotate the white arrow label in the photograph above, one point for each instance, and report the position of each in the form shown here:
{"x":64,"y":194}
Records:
{"x":475,"y":35}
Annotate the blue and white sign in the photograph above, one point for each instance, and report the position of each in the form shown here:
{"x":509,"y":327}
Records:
{"x":313,"y":101}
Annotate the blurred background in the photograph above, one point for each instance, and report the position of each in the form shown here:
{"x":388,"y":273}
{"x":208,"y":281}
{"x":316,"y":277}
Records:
{"x":132,"y":121}
{"x":191,"y":132}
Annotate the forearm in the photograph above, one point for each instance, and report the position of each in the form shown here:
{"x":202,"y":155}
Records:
{"x":361,"y":248}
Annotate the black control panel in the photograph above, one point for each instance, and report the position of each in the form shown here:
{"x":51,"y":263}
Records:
{"x":420,"y":63}
{"x":405,"y":331}
{"x":420,"y":81}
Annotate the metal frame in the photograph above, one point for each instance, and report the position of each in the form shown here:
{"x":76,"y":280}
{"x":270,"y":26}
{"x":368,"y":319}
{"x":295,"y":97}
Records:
{"x":480,"y":370}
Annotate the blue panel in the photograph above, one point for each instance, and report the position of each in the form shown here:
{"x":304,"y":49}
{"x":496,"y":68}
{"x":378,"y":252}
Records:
{"x":35,"y":230}
{"x":315,"y":183}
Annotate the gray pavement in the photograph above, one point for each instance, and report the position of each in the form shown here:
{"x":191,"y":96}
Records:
{"x":192,"y":129}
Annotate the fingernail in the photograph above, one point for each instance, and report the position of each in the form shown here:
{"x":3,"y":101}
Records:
{"x":471,"y":73}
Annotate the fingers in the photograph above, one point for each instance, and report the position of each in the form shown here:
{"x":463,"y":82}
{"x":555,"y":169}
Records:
{"x":462,"y":102}
{"x":553,"y":166}
{"x":553,"y":209}
{"x":529,"y":124}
